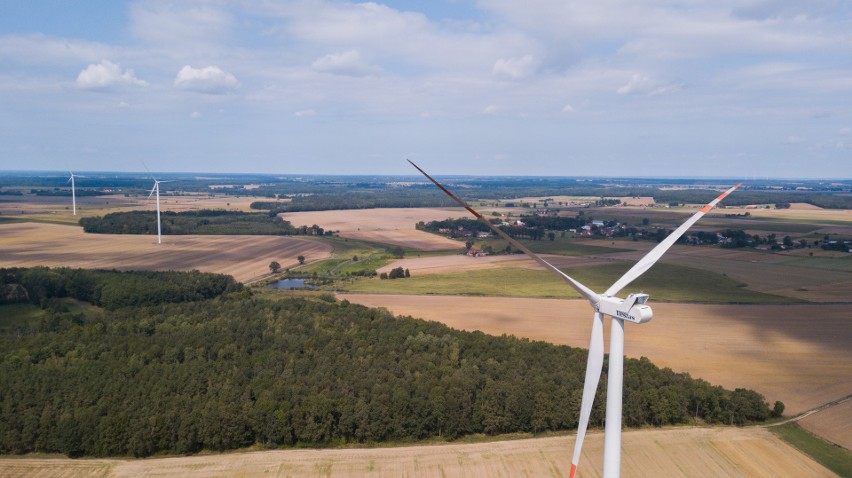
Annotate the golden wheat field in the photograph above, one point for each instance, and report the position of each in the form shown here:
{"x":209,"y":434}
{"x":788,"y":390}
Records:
{"x":244,"y":257}
{"x":671,"y":453}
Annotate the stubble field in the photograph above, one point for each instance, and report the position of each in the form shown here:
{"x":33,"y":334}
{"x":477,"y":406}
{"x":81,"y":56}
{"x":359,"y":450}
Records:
{"x":244,"y":257}
{"x":388,"y":225}
{"x":682,"y":452}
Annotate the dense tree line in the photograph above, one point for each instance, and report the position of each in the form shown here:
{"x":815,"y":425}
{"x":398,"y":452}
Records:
{"x":79,"y":192}
{"x":207,"y":221}
{"x":384,"y":198}
{"x":110,"y":289}
{"x":239,"y":370}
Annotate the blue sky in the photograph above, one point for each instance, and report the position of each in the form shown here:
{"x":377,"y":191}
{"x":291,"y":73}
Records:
{"x":750,"y":88}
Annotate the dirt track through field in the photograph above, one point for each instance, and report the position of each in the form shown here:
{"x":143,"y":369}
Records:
{"x":800,"y":354}
{"x":244,"y":257}
{"x":683,"y":452}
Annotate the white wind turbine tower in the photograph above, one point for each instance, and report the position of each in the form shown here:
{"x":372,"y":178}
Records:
{"x":156,"y":189}
{"x":73,"y":192}
{"x":632,"y":309}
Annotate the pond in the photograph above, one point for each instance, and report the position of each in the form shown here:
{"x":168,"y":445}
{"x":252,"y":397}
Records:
{"x":292,"y":284}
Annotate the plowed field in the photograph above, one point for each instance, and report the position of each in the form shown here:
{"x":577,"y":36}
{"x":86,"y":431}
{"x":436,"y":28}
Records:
{"x":244,"y":257}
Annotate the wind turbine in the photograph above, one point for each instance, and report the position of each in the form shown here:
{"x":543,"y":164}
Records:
{"x":156,"y":189}
{"x":632,"y":309}
{"x":73,"y":192}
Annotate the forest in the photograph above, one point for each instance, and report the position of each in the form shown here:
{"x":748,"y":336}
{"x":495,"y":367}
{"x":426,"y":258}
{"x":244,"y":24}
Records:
{"x":110,"y":289}
{"x":238,"y":369}
{"x":206,"y":221}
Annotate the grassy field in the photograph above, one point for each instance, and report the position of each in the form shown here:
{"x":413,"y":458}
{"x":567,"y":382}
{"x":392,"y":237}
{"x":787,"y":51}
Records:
{"x":833,"y":457}
{"x":663,"y":282}
{"x":559,"y":246}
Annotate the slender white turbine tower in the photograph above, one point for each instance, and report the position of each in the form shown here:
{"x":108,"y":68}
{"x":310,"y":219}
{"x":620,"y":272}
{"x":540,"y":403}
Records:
{"x":73,"y":192}
{"x":633,"y":309}
{"x":156,"y":189}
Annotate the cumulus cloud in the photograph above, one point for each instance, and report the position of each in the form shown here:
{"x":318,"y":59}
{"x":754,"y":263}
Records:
{"x":514,"y":68}
{"x":304,"y":113}
{"x":195,"y":115}
{"x":568,"y":109}
{"x":347,"y":63}
{"x":645,"y":85}
{"x":211,"y":80}
{"x":106,"y":75}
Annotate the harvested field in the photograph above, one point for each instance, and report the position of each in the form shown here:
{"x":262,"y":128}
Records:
{"x":799,"y":354}
{"x":811,"y":214}
{"x":386,"y":225}
{"x":244,"y":257}
{"x":60,"y":207}
{"x":684,"y":452}
{"x":833,"y":424}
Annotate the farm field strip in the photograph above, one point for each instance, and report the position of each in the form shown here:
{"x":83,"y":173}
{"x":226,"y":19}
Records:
{"x":244,"y":257}
{"x":674,"y":452}
{"x":666,"y":282}
{"x":385,"y":225}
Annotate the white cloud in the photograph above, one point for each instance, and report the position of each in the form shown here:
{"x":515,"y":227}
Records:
{"x":211,"y":80}
{"x":792,"y":139}
{"x":195,"y":115}
{"x":490,"y":110}
{"x":645,"y":85}
{"x":568,"y":109}
{"x":514,"y":68}
{"x":105,"y":75}
{"x":845,"y":131}
{"x":345,"y":63}
{"x":304,"y":113}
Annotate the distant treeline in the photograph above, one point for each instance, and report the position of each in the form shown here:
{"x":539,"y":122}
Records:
{"x":79,"y":192}
{"x":425,"y":197}
{"x":384,"y":198}
{"x":238,"y":371}
{"x":110,"y":289}
{"x":205,"y":221}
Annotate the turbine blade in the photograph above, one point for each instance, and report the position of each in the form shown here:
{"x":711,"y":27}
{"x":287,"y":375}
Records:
{"x":152,"y":191}
{"x":149,"y":171}
{"x":652,"y":257}
{"x":584,"y":291}
{"x":594,"y":365}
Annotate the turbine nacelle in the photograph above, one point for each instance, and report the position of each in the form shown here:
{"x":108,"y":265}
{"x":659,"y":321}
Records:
{"x":632,"y":309}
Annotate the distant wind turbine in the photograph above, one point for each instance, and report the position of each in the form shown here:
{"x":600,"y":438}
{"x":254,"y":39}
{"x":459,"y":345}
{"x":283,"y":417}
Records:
{"x":156,"y":189}
{"x":632,"y":309}
{"x":73,"y":192}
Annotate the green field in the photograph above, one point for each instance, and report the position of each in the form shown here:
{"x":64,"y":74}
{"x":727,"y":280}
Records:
{"x":833,"y":457}
{"x":663,"y":282}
